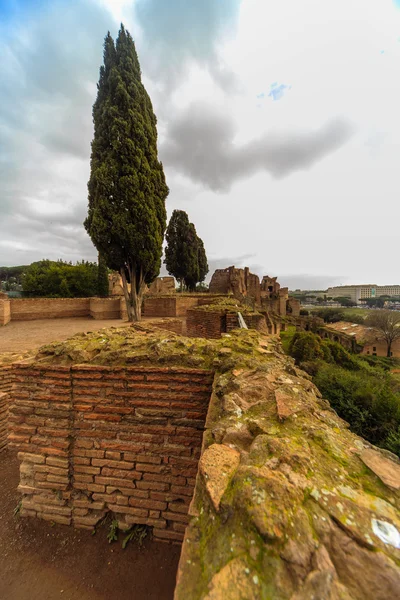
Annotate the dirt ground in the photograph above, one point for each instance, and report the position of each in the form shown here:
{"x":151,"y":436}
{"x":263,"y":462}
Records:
{"x":39,"y":561}
{"x":20,"y":336}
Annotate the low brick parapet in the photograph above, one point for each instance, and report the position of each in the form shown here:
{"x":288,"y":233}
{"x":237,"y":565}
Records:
{"x":6,"y":376}
{"x":125,"y":440}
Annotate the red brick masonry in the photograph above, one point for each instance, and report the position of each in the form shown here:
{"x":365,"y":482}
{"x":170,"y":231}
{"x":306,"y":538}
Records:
{"x":5,"y":388}
{"x":94,"y":439}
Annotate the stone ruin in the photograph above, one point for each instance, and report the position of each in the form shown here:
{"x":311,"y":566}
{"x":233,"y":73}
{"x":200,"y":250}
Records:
{"x":244,"y":285}
{"x":161,"y":285}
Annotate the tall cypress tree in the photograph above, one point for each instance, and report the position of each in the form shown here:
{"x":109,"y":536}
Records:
{"x":127,"y":189}
{"x":202,"y":258}
{"x":185,"y":257}
{"x":102,"y":277}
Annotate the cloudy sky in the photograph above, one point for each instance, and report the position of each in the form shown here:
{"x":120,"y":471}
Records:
{"x":278,"y":121}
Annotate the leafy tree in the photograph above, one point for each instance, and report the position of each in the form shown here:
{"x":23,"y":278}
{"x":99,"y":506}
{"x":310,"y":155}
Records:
{"x":387,"y":323}
{"x":15,"y":272}
{"x":64,"y":289}
{"x":102,"y":277}
{"x":127,"y":190}
{"x":59,"y":279}
{"x":185,"y":256}
{"x":329,"y":315}
{"x":344,"y":301}
{"x":376,"y":302}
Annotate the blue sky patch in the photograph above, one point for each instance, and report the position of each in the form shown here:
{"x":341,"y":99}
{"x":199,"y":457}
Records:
{"x":277,"y":91}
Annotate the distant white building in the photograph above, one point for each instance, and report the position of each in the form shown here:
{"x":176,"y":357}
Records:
{"x":357,"y":293}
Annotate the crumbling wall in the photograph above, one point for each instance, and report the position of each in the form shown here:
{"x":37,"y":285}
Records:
{"x":203,"y":323}
{"x":239,"y":282}
{"x":162,"y":285}
{"x":212,"y":323}
{"x":94,"y":439}
{"x":293,"y":307}
{"x":288,"y":503}
{"x":175,"y":325}
{"x":5,"y":389}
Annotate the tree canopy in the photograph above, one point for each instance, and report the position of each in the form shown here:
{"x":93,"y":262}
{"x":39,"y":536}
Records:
{"x":60,"y":279}
{"x":185,"y":256}
{"x":127,"y":189}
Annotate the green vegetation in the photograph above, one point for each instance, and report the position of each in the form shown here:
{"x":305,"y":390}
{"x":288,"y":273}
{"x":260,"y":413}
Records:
{"x":361,"y":389}
{"x":185,"y":256}
{"x":127,"y":189}
{"x":12,"y":272}
{"x":333,"y":315}
{"x":51,"y":279}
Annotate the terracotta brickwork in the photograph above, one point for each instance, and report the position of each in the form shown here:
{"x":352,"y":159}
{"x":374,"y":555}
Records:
{"x":164,"y":306}
{"x":95,"y":439}
{"x":211,"y":324}
{"x":175,"y":325}
{"x":27,"y":309}
{"x":5,"y":312}
{"x":105,"y":308}
{"x":5,"y":388}
{"x":208,"y":324}
{"x":175,"y":306}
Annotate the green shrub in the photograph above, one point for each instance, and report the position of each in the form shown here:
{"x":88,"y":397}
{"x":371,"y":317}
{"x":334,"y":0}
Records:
{"x":392,"y":442}
{"x":365,"y":401}
{"x":305,"y":346}
{"x":360,"y":388}
{"x":339,"y":355}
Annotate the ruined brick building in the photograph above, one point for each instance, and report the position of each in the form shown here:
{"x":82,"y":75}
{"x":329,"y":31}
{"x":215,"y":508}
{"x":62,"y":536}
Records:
{"x":246,"y":286}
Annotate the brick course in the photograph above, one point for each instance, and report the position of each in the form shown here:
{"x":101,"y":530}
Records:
{"x":210,"y":324}
{"x":175,"y":306}
{"x":5,"y":388}
{"x":93,"y":439}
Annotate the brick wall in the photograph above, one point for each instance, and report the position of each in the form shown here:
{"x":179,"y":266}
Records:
{"x":105,"y":308}
{"x":5,"y":388}
{"x":210,"y":324}
{"x":175,"y":325}
{"x":293,"y":305}
{"x":175,"y":306}
{"x":5,"y":313}
{"x":204,"y":323}
{"x":159,"y":306}
{"x":97,"y":439}
{"x":27,"y":309}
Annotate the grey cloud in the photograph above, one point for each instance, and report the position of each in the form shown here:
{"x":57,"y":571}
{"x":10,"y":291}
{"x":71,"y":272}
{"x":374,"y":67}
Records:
{"x":303,"y":281}
{"x":178,"y":31}
{"x":201,"y":145}
{"x":53,"y":55}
